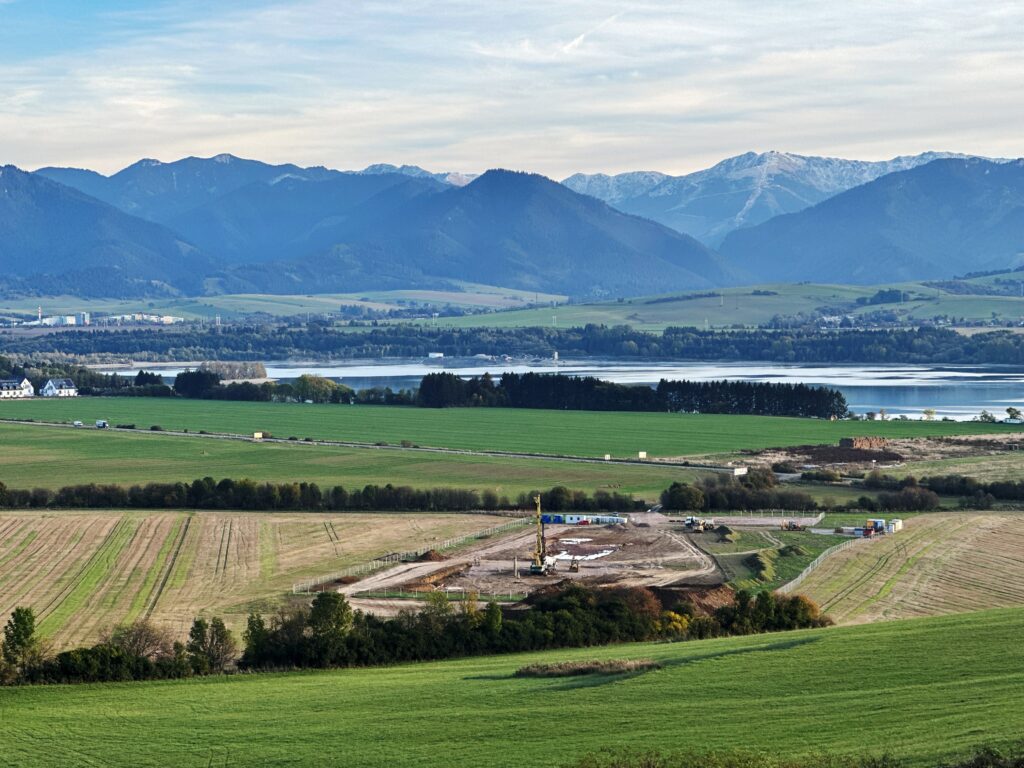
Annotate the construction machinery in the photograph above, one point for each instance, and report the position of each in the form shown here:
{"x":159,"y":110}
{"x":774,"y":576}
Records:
{"x":698,"y":524}
{"x":574,"y":566}
{"x":793,"y":525}
{"x":540,"y":565}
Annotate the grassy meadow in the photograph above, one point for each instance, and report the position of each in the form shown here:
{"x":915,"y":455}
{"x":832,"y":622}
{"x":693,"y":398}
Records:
{"x":574,"y":433}
{"x":727,"y":307}
{"x":752,"y":306}
{"x":38,"y":456}
{"x":237,"y":305}
{"x":922,"y":690}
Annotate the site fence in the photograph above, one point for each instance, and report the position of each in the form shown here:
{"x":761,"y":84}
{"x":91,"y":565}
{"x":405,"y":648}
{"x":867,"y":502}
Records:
{"x":310,"y":585}
{"x":777,"y":514}
{"x":789,"y":587}
{"x":453,"y":594}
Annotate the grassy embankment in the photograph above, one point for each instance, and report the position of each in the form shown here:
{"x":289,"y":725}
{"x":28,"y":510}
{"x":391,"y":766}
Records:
{"x":922,"y":690}
{"x":765,"y":559}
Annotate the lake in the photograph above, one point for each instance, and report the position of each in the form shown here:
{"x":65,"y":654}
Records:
{"x":958,"y":392}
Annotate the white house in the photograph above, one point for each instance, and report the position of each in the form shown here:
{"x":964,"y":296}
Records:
{"x":15,"y":388}
{"x":59,"y":388}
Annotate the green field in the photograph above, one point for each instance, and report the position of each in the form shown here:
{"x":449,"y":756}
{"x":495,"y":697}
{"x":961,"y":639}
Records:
{"x":751,"y":306}
{"x":923,"y":690}
{"x":576,"y":433}
{"x":230,"y":306}
{"x":1002,"y":466}
{"x":38,"y":456}
{"x":727,"y":307}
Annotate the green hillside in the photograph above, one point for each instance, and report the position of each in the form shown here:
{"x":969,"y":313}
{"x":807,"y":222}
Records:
{"x":923,"y":690}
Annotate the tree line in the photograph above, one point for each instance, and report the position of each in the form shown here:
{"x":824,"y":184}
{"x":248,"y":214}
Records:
{"x":759,"y":489}
{"x":556,"y":391}
{"x":137,"y":651}
{"x":250,"y":495}
{"x":319,"y":341}
{"x":328,"y":633}
{"x":973,"y":493}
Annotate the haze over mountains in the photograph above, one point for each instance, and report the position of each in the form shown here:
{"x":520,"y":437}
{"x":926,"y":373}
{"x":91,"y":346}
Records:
{"x":227,"y":224}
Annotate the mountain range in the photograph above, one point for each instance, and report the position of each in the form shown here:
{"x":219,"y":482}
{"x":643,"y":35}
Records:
{"x":739,"y":192}
{"x":224,"y":224}
{"x":937,"y":220}
{"x":50,"y":230}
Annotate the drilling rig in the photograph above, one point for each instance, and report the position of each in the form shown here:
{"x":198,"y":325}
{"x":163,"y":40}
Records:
{"x":539,"y":565}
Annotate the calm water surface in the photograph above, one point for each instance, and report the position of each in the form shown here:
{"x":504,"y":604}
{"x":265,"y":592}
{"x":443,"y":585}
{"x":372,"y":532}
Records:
{"x":959,"y":392}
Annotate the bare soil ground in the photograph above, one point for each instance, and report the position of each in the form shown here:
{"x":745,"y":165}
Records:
{"x":648,"y":551}
{"x":896,"y":452}
{"x":940,"y":563}
{"x":85,"y":572}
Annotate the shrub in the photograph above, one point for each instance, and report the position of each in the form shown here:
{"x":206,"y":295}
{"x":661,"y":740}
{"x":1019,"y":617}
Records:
{"x":574,"y":668}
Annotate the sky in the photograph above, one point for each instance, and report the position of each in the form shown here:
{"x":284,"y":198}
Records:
{"x":555,"y":87}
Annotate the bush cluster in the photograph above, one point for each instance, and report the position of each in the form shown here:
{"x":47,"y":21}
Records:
{"x":329,"y":634}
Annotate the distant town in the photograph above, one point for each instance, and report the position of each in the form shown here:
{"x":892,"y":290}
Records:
{"x":79,"y":319}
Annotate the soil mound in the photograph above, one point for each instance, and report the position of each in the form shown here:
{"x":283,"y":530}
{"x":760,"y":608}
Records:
{"x":431,"y":556}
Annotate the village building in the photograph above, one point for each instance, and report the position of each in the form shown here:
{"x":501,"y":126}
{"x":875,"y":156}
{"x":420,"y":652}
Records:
{"x":16,"y":388}
{"x":59,"y":388}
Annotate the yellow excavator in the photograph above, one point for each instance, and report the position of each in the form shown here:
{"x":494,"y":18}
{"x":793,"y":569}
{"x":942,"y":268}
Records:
{"x":539,"y":565}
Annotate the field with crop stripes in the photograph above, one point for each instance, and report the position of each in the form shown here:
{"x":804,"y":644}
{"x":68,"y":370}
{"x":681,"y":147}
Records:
{"x":940,"y":563}
{"x":923,"y":690}
{"x":85,"y":572}
{"x":576,"y":433}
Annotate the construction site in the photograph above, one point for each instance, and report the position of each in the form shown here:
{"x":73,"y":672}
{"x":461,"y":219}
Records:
{"x":643,"y":549}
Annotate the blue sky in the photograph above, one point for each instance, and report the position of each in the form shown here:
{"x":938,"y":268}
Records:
{"x":554,"y":87}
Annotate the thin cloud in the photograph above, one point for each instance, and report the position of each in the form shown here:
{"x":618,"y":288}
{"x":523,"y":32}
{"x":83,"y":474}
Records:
{"x":469,"y":85}
{"x":577,"y":41}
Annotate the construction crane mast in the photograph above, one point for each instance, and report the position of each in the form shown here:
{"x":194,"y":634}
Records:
{"x":539,"y":565}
